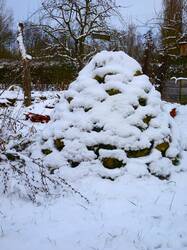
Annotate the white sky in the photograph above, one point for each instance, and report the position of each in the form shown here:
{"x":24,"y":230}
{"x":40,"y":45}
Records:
{"x":137,"y":10}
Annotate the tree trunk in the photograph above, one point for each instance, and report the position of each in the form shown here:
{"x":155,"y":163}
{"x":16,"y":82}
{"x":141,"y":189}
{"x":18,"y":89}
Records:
{"x":26,"y":82}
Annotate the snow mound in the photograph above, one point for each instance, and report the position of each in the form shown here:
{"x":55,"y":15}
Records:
{"x":110,"y":116}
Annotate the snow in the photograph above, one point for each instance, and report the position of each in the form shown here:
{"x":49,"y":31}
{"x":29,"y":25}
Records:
{"x":20,"y":41}
{"x":135,"y":211}
{"x":129,"y":213}
{"x":127,"y":208}
{"x":87,"y":117}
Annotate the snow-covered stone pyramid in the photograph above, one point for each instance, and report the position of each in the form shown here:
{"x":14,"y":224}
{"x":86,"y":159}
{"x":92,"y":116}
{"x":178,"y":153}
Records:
{"x":111,"y":115}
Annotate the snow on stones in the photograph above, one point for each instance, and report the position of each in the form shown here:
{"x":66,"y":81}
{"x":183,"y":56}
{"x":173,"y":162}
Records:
{"x":113,"y":115}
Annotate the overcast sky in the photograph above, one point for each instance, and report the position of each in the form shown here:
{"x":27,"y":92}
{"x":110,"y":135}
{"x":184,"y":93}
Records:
{"x":137,"y":10}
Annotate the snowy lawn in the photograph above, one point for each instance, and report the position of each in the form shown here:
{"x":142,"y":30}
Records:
{"x":129,"y":213}
{"x":126,"y":214}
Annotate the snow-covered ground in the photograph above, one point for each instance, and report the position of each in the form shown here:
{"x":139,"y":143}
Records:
{"x":110,"y":113}
{"x":128,"y":213}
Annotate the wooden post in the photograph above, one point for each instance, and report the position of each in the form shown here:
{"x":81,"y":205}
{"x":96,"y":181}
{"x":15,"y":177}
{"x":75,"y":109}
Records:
{"x":26,"y":66}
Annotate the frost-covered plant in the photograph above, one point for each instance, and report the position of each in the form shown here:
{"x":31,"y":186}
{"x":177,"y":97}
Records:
{"x":110,"y":116}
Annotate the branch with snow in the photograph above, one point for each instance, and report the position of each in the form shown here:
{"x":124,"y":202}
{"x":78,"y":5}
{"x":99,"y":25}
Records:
{"x":20,"y":41}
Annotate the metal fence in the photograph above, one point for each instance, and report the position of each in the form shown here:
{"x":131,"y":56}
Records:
{"x":175,"y":90}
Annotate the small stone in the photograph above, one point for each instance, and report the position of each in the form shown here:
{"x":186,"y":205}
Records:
{"x":112,"y":92}
{"x":138,"y":73}
{"x":59,"y":144}
{"x":142,"y":101}
{"x":163,"y":147}
{"x":138,"y":153}
{"x":46,"y":151}
{"x":112,"y":163}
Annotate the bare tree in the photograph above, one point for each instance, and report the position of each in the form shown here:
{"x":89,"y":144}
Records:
{"x":72,"y":24}
{"x":172,"y":28}
{"x":128,"y":40}
{"x":5,"y":28}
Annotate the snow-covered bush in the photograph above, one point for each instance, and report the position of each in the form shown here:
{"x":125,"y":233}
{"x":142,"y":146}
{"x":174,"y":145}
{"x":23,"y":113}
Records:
{"x":111,"y":115}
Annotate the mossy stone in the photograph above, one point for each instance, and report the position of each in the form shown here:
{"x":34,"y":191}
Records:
{"x":138,"y":153}
{"x":163,"y":147}
{"x":147,"y":119}
{"x":99,"y":79}
{"x":142,"y":101}
{"x":46,"y":151}
{"x":112,"y":163}
{"x":112,"y":92}
{"x":138,"y":73}
{"x":59,"y":144}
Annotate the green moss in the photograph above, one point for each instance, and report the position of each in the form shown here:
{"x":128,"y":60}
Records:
{"x":59,"y":144}
{"x":142,"y":101}
{"x":138,"y":153}
{"x":112,"y":92}
{"x":147,"y":119}
{"x":99,"y":79}
{"x":163,"y":147}
{"x":138,"y":73}
{"x":46,"y":151}
{"x":112,"y":163}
